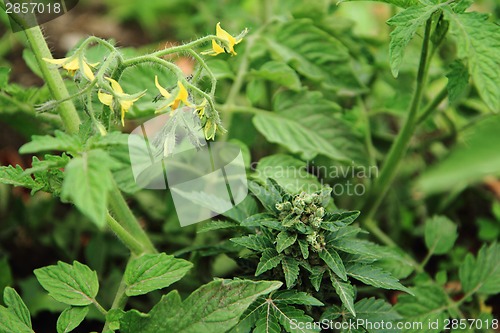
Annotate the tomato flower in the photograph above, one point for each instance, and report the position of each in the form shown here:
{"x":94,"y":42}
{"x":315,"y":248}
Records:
{"x":124,"y":100}
{"x":74,"y":63}
{"x":174,"y":101}
{"x":230,"y":42}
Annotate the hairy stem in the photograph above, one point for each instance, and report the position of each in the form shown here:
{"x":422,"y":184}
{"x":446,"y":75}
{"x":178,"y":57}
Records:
{"x":129,"y":240}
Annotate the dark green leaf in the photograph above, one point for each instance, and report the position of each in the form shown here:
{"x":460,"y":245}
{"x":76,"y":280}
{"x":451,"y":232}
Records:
{"x":345,"y":292}
{"x":258,"y":243}
{"x":333,"y":260}
{"x":482,"y":273}
{"x":291,"y":269}
{"x":268,"y":260}
{"x":284,"y":240}
{"x":375,"y":276}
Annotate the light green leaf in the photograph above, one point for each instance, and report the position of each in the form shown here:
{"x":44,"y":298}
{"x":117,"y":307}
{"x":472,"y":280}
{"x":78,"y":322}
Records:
{"x":375,"y":310}
{"x":50,"y":162}
{"x":220,"y":69}
{"x":269,"y":260}
{"x":306,"y":123}
{"x":71,"y":318}
{"x":406,"y":24}
{"x":333,"y":260}
{"x":477,"y":156}
{"x":73,"y":284}
{"x":87,"y":182}
{"x":4,"y":77}
{"x":458,"y":81}
{"x":345,"y":292}
{"x":153,"y":271}
{"x":284,"y":240}
{"x":427,"y":305}
{"x":16,"y":317}
{"x":375,"y":276}
{"x":291,"y":269}
{"x":278,"y":72}
{"x":440,"y":234}
{"x":478,"y":41}
{"x":399,"y":3}
{"x":213,"y":308}
{"x":15,"y":176}
{"x":258,"y":243}
{"x":289,"y":172}
{"x":61,"y":142}
{"x":482,"y":273}
{"x":295,"y":297}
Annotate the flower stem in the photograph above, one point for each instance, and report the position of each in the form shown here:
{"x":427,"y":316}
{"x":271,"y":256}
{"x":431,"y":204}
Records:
{"x":124,"y":235}
{"x":400,"y":146}
{"x":54,"y":80}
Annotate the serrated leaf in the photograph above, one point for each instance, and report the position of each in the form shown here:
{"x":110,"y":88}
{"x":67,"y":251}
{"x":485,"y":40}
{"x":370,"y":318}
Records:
{"x":266,"y":197}
{"x":458,"y":81}
{"x":73,"y":284}
{"x":60,"y":141}
{"x":301,"y":127}
{"x":373,"y":310}
{"x":334,"y":262}
{"x":244,"y":209}
{"x":16,"y":317}
{"x":279,"y":73}
{"x":304,"y":248}
{"x":440,"y":234}
{"x":399,"y":3}
{"x":269,"y":260}
{"x":212,"y":308}
{"x":406,"y":24}
{"x":253,"y":242}
{"x":295,"y":297}
{"x":292,"y":319}
{"x":345,"y":292}
{"x":291,"y":269}
{"x":152,"y":272}
{"x":427,"y":305}
{"x":478,"y":41}
{"x":284,"y":240}
{"x":268,"y":323}
{"x":481,"y":274}
{"x":216,"y":225}
{"x":375,"y":276}
{"x":87,"y":182}
{"x":50,"y":162}
{"x":258,"y":220}
{"x":71,"y":318}
{"x":15,"y":176}
{"x":316,"y":277}
{"x":335,"y":221}
{"x":15,"y":304}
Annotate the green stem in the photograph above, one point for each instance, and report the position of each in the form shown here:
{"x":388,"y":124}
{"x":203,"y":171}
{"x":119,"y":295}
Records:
{"x":53,"y":79}
{"x":119,"y":301}
{"x":124,"y":235}
{"x":399,"y":147}
{"x":128,"y":221}
{"x":99,"y":307}
{"x":429,"y":109}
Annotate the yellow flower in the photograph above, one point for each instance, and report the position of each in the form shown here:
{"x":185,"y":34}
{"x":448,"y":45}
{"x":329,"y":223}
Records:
{"x":174,"y":101}
{"x":200,"y":109}
{"x":74,"y":63}
{"x":210,"y":129}
{"x":124,"y":100}
{"x":229,"y":44}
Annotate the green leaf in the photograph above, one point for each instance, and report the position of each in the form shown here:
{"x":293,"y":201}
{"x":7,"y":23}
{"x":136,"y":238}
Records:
{"x":153,"y":271}
{"x":87,"y":182}
{"x":71,"y":318}
{"x":293,"y":319}
{"x":217,"y":225}
{"x":291,"y":269}
{"x":399,"y":3}
{"x":333,"y":260}
{"x":4,"y":77}
{"x":336,"y":221}
{"x":458,"y":81}
{"x":477,"y":156}
{"x":16,"y":305}
{"x":440,"y":234}
{"x":295,"y":297}
{"x":16,"y":317}
{"x":15,"y":176}
{"x":406,"y":24}
{"x":268,"y":260}
{"x":61,"y":142}
{"x":253,"y":242}
{"x":50,"y":162}
{"x":478,"y":41}
{"x":212,"y":308}
{"x":482,"y":273}
{"x":375,"y":276}
{"x":316,"y":277}
{"x":289,"y":172}
{"x":284,"y":240}
{"x":305,"y":123}
{"x":73,"y":284}
{"x":345,"y":292}
{"x":279,"y":73}
{"x":427,"y":305}
{"x":375,"y":310}
{"x":304,"y":248}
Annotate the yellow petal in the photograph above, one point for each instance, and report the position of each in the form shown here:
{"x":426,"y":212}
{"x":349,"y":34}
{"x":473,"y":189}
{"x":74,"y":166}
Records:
{"x":221,"y":33}
{"x":105,"y":99}
{"x":115,"y":85}
{"x":183,"y":93}
{"x":162,"y":90}
{"x":123,"y":116}
{"x":87,"y":72}
{"x":126,"y":104}
{"x":71,"y":65}
{"x":56,"y":61}
{"x":217,"y":48}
